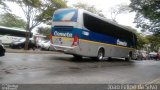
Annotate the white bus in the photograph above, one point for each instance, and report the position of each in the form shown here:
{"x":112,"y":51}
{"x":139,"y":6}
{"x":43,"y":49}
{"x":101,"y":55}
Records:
{"x":81,"y":33}
{"x":9,"y":35}
{"x":6,"y":39}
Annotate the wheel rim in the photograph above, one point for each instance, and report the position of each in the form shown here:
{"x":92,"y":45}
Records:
{"x":100,"y":55}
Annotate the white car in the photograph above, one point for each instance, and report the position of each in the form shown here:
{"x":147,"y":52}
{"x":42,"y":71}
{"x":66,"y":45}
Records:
{"x":152,"y":55}
{"x":40,"y":42}
{"x":45,"y":45}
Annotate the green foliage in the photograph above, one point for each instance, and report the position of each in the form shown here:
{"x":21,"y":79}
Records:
{"x":38,"y":11}
{"x":11,"y":20}
{"x":154,"y":41}
{"x":141,"y":40}
{"x":33,"y":3}
{"x":148,"y":14}
{"x":148,"y":18}
{"x":89,"y":8}
{"x":44,"y":31}
{"x":48,"y":7}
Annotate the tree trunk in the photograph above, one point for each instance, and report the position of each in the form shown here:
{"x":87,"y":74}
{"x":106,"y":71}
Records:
{"x":27,"y":36}
{"x":27,"y":41}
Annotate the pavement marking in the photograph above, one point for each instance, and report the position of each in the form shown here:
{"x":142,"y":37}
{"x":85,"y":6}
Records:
{"x":155,"y":81}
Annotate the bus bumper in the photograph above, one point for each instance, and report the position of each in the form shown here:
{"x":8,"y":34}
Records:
{"x":65,"y":49}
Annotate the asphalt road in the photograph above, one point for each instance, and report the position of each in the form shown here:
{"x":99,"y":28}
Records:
{"x":21,"y":68}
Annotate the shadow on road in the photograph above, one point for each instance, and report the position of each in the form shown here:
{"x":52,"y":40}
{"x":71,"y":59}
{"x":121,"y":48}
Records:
{"x":86,"y":59}
{"x":1,"y":62}
{"x":88,"y":63}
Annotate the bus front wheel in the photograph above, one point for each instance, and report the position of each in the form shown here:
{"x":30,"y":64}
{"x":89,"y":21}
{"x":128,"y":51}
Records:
{"x":100,"y":55}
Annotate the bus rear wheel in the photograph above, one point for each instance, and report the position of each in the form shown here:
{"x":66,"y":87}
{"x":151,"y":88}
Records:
{"x":77,"y":57}
{"x":129,"y":57}
{"x":100,"y":55}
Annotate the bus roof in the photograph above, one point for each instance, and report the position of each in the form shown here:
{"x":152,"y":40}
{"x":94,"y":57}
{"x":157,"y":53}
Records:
{"x":13,"y":28}
{"x":13,"y":31}
{"x":102,"y":18}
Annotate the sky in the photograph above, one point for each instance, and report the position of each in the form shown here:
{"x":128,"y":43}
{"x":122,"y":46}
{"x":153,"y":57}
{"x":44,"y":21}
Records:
{"x":126,"y":19}
{"x":104,"y":5}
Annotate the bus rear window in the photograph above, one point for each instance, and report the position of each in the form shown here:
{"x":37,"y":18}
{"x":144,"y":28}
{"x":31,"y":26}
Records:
{"x":65,"y":15}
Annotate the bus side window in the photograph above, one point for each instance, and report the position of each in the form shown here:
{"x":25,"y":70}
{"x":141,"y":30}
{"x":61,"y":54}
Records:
{"x":99,"y":26}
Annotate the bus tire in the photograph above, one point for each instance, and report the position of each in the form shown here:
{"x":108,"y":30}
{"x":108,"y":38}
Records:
{"x":77,"y":57}
{"x":129,"y":57}
{"x":93,"y":58}
{"x":109,"y":58}
{"x":100,"y":55}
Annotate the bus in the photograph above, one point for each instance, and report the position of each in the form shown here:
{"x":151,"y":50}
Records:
{"x":9,"y":35}
{"x":83,"y":34}
{"x":13,"y":31}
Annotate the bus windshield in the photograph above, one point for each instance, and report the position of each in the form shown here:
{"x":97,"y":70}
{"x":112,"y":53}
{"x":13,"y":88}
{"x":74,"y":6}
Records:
{"x":65,"y":15}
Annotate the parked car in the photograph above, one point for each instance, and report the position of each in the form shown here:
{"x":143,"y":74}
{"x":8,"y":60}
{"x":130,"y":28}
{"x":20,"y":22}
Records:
{"x":45,"y":45}
{"x":158,"y":56}
{"x":142,"y":55}
{"x":21,"y":44}
{"x":2,"y":49}
{"x":152,"y":55}
{"x":135,"y":55}
{"x":39,"y":43}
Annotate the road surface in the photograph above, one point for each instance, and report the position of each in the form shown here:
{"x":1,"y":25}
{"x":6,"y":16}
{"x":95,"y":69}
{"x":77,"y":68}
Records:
{"x":30,"y":68}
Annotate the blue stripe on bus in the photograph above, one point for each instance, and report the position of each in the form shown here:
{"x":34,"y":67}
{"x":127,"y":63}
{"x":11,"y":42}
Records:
{"x":93,"y":36}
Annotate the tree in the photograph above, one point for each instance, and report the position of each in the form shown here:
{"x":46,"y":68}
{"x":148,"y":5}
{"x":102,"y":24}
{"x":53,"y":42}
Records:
{"x":38,"y":11}
{"x":48,"y":7}
{"x":154,"y":41}
{"x":11,"y":20}
{"x":44,"y":30}
{"x":119,"y":9}
{"x":3,"y":5}
{"x":148,"y":14}
{"x":90,"y":8}
{"x":141,"y":39}
{"x":148,"y":18}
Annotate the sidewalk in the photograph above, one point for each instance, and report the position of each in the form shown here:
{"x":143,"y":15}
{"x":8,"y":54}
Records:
{"x":36,"y":51}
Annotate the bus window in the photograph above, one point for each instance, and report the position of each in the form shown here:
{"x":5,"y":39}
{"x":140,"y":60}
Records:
{"x":65,"y":15}
{"x":99,"y":26}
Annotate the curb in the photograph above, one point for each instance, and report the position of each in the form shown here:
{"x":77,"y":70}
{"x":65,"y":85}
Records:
{"x":31,"y":51}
